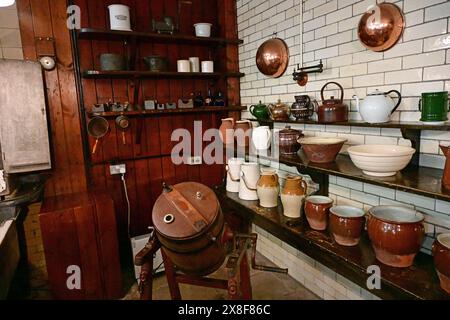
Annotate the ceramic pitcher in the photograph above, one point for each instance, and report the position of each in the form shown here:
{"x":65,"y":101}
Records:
{"x":261,"y":138}
{"x":268,"y":189}
{"x":293,"y":196}
{"x":446,"y":176}
{"x":242,"y":132}
{"x":233,"y":174}
{"x":249,"y":179}
{"x":227,"y":131}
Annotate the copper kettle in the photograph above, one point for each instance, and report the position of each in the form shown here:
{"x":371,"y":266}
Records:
{"x":332,"y":110}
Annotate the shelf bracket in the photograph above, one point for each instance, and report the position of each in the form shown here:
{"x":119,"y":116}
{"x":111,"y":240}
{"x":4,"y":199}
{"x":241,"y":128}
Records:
{"x":322,"y":179}
{"x":414,"y":136}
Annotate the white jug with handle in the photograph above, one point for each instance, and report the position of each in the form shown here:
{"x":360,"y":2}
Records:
{"x":261,"y":138}
{"x":249,"y":180}
{"x":234,"y":174}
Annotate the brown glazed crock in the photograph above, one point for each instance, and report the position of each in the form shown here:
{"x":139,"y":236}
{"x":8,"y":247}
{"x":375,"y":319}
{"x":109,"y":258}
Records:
{"x":441,"y":256}
{"x":317,"y":209}
{"x":289,"y":141}
{"x":346,"y":225}
{"x":396,"y":234}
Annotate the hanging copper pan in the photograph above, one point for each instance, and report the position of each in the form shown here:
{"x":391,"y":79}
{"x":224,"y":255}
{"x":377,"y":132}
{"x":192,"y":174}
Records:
{"x":272,"y":57}
{"x":381,"y":27}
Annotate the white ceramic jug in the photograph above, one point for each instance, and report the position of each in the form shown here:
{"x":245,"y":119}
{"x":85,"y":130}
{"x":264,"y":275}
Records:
{"x":249,"y":179}
{"x":234,"y":174}
{"x":261,"y":138}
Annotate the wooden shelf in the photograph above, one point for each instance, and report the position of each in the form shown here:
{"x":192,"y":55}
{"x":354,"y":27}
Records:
{"x":112,"y":35}
{"x":419,"y":180}
{"x":95,"y":74}
{"x":416,"y":125}
{"x":150,"y":113}
{"x":417,"y":282}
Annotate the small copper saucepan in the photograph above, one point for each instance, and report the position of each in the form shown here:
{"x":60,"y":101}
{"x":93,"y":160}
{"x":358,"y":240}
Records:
{"x":123,"y":124}
{"x":98,"y":127}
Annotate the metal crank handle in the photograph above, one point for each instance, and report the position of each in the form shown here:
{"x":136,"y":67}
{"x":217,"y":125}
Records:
{"x":270,"y":269}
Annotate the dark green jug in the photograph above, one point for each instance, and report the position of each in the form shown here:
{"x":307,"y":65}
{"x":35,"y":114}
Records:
{"x":259,"y":111}
{"x":434,"y":106}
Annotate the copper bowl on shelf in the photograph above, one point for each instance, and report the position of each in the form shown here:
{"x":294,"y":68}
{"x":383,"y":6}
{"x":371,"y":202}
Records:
{"x":272,"y":58}
{"x":396,"y":234}
{"x":381,"y":28}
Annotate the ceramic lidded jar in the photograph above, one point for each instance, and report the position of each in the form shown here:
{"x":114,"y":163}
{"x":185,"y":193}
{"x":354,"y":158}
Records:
{"x":279,"y":111}
{"x":346,"y":224}
{"x":250,"y":174}
{"x":441,"y":257}
{"x":242,"y":132}
{"x":234,"y":174}
{"x":293,"y":195}
{"x":317,"y":209}
{"x":396,"y":234}
{"x":288,"y":141}
{"x":227,"y":131}
{"x":268,"y":189}
{"x":262,"y":137}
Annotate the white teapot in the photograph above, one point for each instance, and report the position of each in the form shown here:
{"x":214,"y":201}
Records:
{"x":378,"y":106}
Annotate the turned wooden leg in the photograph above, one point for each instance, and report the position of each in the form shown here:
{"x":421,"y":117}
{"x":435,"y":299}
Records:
{"x":146,"y":280}
{"x":171,"y":277}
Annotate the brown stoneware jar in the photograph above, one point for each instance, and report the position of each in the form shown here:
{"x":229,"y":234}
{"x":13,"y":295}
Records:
{"x":242,"y":132}
{"x":317,"y":209}
{"x":441,"y":256}
{"x":293,"y":195}
{"x":346,"y":225}
{"x":288,"y":141}
{"x":268,"y":188}
{"x":396,"y":234}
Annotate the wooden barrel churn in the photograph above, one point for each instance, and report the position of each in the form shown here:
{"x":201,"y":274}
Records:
{"x":189,"y":224}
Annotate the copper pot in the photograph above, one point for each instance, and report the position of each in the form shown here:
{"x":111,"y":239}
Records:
{"x":332,"y":110}
{"x":441,"y":257}
{"x":381,"y":28}
{"x":272,"y":57}
{"x":396,"y":233}
{"x":289,"y":141}
{"x":279,"y":111}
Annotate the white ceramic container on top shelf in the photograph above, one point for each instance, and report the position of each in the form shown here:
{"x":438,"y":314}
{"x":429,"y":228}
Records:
{"x":119,"y":16}
{"x":381,"y":160}
{"x":203,"y":29}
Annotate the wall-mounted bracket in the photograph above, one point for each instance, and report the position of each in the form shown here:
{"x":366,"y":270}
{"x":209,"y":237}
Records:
{"x":414,"y":136}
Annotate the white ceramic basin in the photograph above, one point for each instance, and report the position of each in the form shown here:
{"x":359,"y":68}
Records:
{"x":381,"y":160}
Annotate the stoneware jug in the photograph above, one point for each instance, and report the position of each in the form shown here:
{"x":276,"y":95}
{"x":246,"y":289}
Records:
{"x":268,"y":189}
{"x":261,"y":138}
{"x":242,"y":132}
{"x":378,"y":106}
{"x":234,"y":174}
{"x":249,"y":179}
{"x":227,"y":131}
{"x":293,"y":195}
{"x":446,"y":176}
{"x":259,"y":111}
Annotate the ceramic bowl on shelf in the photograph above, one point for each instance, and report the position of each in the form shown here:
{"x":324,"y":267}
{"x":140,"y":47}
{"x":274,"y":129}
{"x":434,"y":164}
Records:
{"x":321,"y":150}
{"x":396,"y":234}
{"x":441,"y":257}
{"x":346,"y":224}
{"x":381,"y":160}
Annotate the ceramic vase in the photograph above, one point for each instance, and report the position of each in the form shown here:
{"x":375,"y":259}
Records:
{"x":293,"y":195}
{"x":268,"y":189}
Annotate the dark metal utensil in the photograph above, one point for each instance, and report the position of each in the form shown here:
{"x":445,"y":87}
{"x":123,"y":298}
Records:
{"x":98,"y":127}
{"x":123,"y":123}
{"x":381,"y":28}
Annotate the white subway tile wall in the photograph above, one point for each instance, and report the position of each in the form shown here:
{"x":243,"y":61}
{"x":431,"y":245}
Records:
{"x":10,"y":40}
{"x":420,"y":62}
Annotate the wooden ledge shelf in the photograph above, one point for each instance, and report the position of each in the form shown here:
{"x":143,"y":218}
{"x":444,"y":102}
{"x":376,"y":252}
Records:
{"x":417,"y":282}
{"x":149,"y":113}
{"x":113,"y":35}
{"x":96,"y":74}
{"x":419,"y":180}
{"x":415,"y":125}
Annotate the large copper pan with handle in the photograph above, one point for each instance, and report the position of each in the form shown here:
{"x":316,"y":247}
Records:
{"x":381,"y":27}
{"x":272,"y":57}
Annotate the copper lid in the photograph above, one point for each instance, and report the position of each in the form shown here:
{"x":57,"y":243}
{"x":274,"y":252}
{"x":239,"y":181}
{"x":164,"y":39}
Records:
{"x":381,"y":28}
{"x":185,"y":210}
{"x":288,"y":130}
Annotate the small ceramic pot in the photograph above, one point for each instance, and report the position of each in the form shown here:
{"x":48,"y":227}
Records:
{"x":208,"y":66}
{"x":293,"y":196}
{"x":441,"y":256}
{"x":317,"y":209}
{"x":242,"y":132}
{"x":268,"y":189}
{"x":396,"y":233}
{"x":203,"y":29}
{"x":259,"y":111}
{"x":261,"y":137}
{"x":183,"y":66}
{"x":226,"y":131}
{"x":346,"y":225}
{"x":288,"y":141}
{"x":250,"y":174}
{"x":234,"y":174}
{"x":195,"y":64}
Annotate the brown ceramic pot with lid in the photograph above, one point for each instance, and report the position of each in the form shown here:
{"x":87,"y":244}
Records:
{"x":289,"y":141}
{"x":279,"y":111}
{"x":332,"y":110}
{"x":189,"y":224}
